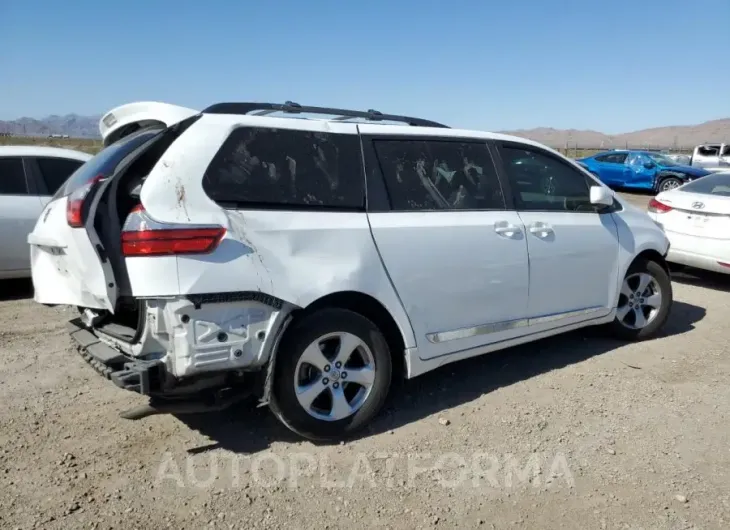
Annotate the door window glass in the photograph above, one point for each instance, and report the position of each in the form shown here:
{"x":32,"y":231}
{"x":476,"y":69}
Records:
{"x":544,"y":183}
{"x":439,"y":175}
{"x":56,"y":171}
{"x":12,"y":177}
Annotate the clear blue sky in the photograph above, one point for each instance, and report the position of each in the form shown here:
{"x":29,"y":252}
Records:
{"x":610,"y":65}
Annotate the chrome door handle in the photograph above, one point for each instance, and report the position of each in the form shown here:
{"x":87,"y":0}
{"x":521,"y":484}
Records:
{"x":503,"y":228}
{"x":540,"y":229}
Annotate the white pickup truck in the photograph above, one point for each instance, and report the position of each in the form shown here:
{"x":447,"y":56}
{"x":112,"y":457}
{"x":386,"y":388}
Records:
{"x":712,"y":157}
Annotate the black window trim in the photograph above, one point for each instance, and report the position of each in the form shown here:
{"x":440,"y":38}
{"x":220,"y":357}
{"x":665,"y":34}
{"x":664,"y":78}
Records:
{"x":29,"y":181}
{"x":378,"y":197}
{"x":273,"y":206}
{"x":500,"y":145}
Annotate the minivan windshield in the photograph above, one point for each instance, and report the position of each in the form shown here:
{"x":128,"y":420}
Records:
{"x":106,"y":161}
{"x":715,"y":184}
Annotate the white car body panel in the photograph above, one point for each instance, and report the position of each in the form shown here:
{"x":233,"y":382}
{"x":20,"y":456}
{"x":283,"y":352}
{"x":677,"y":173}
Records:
{"x":698,"y":228}
{"x":43,"y":151}
{"x":19,"y":213}
{"x":66,"y":268}
{"x":570,"y":254}
{"x":432,"y":259}
{"x":143,"y":113}
{"x":453,"y":285}
{"x":637,"y":233}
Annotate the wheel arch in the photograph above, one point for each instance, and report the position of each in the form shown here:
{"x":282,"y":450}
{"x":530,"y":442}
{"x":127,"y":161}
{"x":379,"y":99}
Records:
{"x":372,"y":309}
{"x":357,"y":302}
{"x":651,"y":254}
{"x":665,"y":174}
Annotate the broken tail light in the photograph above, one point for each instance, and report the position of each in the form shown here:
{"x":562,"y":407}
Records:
{"x":658,"y":207}
{"x":143,"y":236}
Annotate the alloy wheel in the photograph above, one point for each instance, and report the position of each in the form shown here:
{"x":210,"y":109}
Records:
{"x":334,"y":376}
{"x":670,"y":184}
{"x":639,"y":301}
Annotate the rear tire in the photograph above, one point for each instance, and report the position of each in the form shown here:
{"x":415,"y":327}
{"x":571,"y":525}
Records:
{"x":644,"y":301}
{"x":332,"y":375}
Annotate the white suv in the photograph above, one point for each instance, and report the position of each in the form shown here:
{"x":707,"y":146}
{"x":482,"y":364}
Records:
{"x":313,"y":260}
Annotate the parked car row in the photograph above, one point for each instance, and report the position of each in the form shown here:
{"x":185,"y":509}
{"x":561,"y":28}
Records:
{"x":640,"y":170}
{"x":311,"y":255}
{"x":696,"y":218}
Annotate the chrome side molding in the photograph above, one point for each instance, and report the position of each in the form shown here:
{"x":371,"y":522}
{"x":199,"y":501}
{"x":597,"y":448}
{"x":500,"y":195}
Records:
{"x":486,"y":329}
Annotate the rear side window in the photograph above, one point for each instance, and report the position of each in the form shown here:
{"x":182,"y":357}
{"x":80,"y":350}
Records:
{"x":439,"y":175}
{"x":12,"y":177}
{"x":708,"y":150}
{"x":56,"y":171}
{"x":282,"y":168}
{"x":715,"y":184}
{"x":106,"y":161}
{"x":613,"y":158}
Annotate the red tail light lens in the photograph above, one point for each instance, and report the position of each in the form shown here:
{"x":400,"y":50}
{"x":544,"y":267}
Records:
{"x":658,"y":207}
{"x":171,"y":241}
{"x":143,"y":236}
{"x":76,"y":202}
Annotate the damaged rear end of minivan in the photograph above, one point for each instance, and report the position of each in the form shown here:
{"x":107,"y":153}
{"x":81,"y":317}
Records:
{"x":97,"y":248}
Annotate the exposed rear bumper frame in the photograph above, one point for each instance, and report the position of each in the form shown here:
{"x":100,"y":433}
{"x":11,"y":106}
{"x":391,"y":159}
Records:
{"x":143,"y":377}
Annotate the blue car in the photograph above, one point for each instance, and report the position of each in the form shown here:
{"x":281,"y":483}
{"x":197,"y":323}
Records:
{"x":642,"y":170}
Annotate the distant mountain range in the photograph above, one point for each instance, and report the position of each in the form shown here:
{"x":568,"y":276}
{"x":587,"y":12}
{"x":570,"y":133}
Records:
{"x":72,"y":125}
{"x":77,"y":126}
{"x":676,"y":135}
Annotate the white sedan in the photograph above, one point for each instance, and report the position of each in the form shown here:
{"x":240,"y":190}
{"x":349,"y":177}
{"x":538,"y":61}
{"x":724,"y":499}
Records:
{"x":29,"y":176}
{"x":696,"y":219}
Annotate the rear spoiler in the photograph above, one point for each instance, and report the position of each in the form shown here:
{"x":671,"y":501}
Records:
{"x":126,"y":119}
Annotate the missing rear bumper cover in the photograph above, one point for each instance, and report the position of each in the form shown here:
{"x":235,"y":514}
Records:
{"x":143,"y":377}
{"x":237,"y":296}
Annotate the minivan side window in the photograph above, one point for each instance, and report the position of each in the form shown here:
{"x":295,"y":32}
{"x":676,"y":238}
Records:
{"x":56,"y":171}
{"x":12,"y":177}
{"x":541,"y":182}
{"x":439,"y":175}
{"x":285,"y":168}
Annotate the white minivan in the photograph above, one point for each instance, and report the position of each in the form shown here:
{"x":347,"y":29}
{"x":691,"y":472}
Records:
{"x":310,"y":255}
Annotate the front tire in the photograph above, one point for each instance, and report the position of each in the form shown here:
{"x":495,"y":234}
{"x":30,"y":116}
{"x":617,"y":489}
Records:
{"x":644,"y":301}
{"x":332,"y":375}
{"x":668,"y":183}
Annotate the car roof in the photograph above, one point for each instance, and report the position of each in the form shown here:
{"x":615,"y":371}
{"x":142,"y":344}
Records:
{"x":233,"y":120}
{"x":641,"y":151}
{"x":42,"y":150}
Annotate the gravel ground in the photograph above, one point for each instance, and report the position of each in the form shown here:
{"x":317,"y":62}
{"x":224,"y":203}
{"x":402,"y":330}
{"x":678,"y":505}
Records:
{"x":575,"y":431}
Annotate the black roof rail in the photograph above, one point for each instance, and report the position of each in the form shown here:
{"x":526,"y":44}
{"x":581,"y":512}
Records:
{"x":295,"y":108}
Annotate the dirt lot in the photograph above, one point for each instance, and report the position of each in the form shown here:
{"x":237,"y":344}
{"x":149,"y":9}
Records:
{"x":575,"y":432}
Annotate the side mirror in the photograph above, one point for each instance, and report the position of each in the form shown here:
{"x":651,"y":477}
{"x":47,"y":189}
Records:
{"x":601,"y":196}
{"x":649,"y":165}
